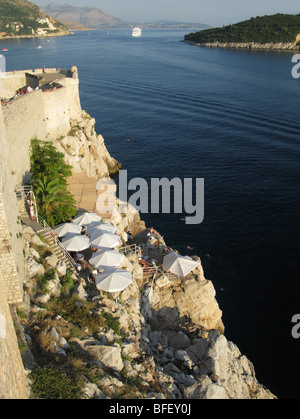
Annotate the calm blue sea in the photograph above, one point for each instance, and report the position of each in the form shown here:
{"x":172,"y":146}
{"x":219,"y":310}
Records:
{"x":230,"y":117}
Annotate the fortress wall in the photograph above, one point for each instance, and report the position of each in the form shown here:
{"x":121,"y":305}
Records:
{"x":11,"y":243}
{"x":55,"y":109}
{"x":44,"y":115}
{"x":11,"y":83}
{"x":12,"y":377}
{"x":24,"y":119}
{"x":73,"y":99}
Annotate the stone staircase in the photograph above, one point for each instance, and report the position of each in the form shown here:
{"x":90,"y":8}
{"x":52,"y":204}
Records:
{"x":56,"y":249}
{"x":45,"y":231}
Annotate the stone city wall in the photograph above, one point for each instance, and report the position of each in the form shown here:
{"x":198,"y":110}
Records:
{"x":12,"y":377}
{"x":45,"y":115}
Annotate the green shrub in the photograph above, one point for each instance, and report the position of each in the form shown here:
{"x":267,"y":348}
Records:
{"x":54,"y":382}
{"x":112,"y":323}
{"x":67,"y":283}
{"x":77,"y":313}
{"x":42,"y":280}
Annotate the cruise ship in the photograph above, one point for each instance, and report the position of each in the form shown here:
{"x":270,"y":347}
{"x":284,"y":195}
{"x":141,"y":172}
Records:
{"x":136,"y":31}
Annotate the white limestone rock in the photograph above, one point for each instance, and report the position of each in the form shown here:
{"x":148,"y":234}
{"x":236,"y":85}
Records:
{"x":34,"y":268}
{"x":109,"y":356}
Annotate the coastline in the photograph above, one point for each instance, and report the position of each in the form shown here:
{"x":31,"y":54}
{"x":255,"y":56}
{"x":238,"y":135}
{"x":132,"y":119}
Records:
{"x":50,"y":35}
{"x":281,"y":46}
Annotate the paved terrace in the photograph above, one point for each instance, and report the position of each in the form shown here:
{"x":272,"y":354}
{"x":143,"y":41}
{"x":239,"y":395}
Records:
{"x":84,"y":190}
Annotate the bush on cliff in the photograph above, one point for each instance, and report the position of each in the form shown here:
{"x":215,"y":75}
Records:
{"x":56,"y":382}
{"x":49,"y":179}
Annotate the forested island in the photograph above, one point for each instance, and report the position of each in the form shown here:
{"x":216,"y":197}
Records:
{"x":278,"y":28}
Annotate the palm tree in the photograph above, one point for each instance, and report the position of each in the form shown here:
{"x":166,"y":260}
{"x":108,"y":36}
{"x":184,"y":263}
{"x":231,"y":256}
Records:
{"x":53,"y":199}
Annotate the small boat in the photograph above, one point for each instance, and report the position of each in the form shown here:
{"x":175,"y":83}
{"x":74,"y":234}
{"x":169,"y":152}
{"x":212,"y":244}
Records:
{"x":136,"y":32}
{"x":5,"y":49}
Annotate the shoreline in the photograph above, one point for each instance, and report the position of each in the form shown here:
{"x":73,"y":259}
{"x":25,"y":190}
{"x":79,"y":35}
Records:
{"x":251,"y":46}
{"x":62,"y":33}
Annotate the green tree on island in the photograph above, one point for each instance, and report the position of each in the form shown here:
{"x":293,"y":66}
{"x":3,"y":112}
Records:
{"x":261,"y":29}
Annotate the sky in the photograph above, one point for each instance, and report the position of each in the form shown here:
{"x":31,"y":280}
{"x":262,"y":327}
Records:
{"x":211,"y":12}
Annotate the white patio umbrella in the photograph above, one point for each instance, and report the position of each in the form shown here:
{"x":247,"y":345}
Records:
{"x":113,"y":281}
{"x":87,"y":218}
{"x":105,"y":239}
{"x":67,"y":228}
{"x":98,"y":228}
{"x":75,"y":242}
{"x":108,"y":257}
{"x":178,"y":264}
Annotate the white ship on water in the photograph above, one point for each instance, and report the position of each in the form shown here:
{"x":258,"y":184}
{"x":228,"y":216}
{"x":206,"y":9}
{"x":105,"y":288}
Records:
{"x":136,"y":32}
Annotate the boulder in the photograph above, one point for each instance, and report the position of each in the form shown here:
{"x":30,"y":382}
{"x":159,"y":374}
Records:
{"x":61,"y":268}
{"x":30,"y":236}
{"x":109,"y":356}
{"x":80,"y":292}
{"x":205,"y":389}
{"x":34,"y":268}
{"x":54,"y":287}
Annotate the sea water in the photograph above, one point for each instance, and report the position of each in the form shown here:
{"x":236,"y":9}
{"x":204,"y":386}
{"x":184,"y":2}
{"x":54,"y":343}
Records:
{"x":230,"y":117}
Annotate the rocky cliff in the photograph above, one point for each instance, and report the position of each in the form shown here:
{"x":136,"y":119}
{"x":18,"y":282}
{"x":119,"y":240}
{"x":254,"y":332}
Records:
{"x":85,"y":150}
{"x":280,"y":46}
{"x":126,"y":344}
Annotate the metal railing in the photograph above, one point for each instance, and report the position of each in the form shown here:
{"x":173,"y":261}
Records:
{"x":49,"y":230}
{"x":27,"y":195}
{"x":130,"y":248}
{"x":150,"y":270}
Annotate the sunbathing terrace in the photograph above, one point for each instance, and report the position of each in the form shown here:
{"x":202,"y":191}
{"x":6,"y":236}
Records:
{"x":40,"y":78}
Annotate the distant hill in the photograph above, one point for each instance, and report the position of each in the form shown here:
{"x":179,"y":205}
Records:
{"x":95,"y":18}
{"x":262,"y":29}
{"x":90,"y":17}
{"x":21,"y":17}
{"x":170,"y":24}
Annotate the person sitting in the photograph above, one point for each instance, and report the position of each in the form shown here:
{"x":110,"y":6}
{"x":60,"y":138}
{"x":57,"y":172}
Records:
{"x":152,"y":231}
{"x":92,"y":278}
{"x":83,"y":264}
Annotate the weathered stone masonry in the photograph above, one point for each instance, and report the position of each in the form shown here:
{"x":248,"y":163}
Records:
{"x":45,"y":115}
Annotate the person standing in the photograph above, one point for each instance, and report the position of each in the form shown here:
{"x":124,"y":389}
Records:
{"x":31,"y":212}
